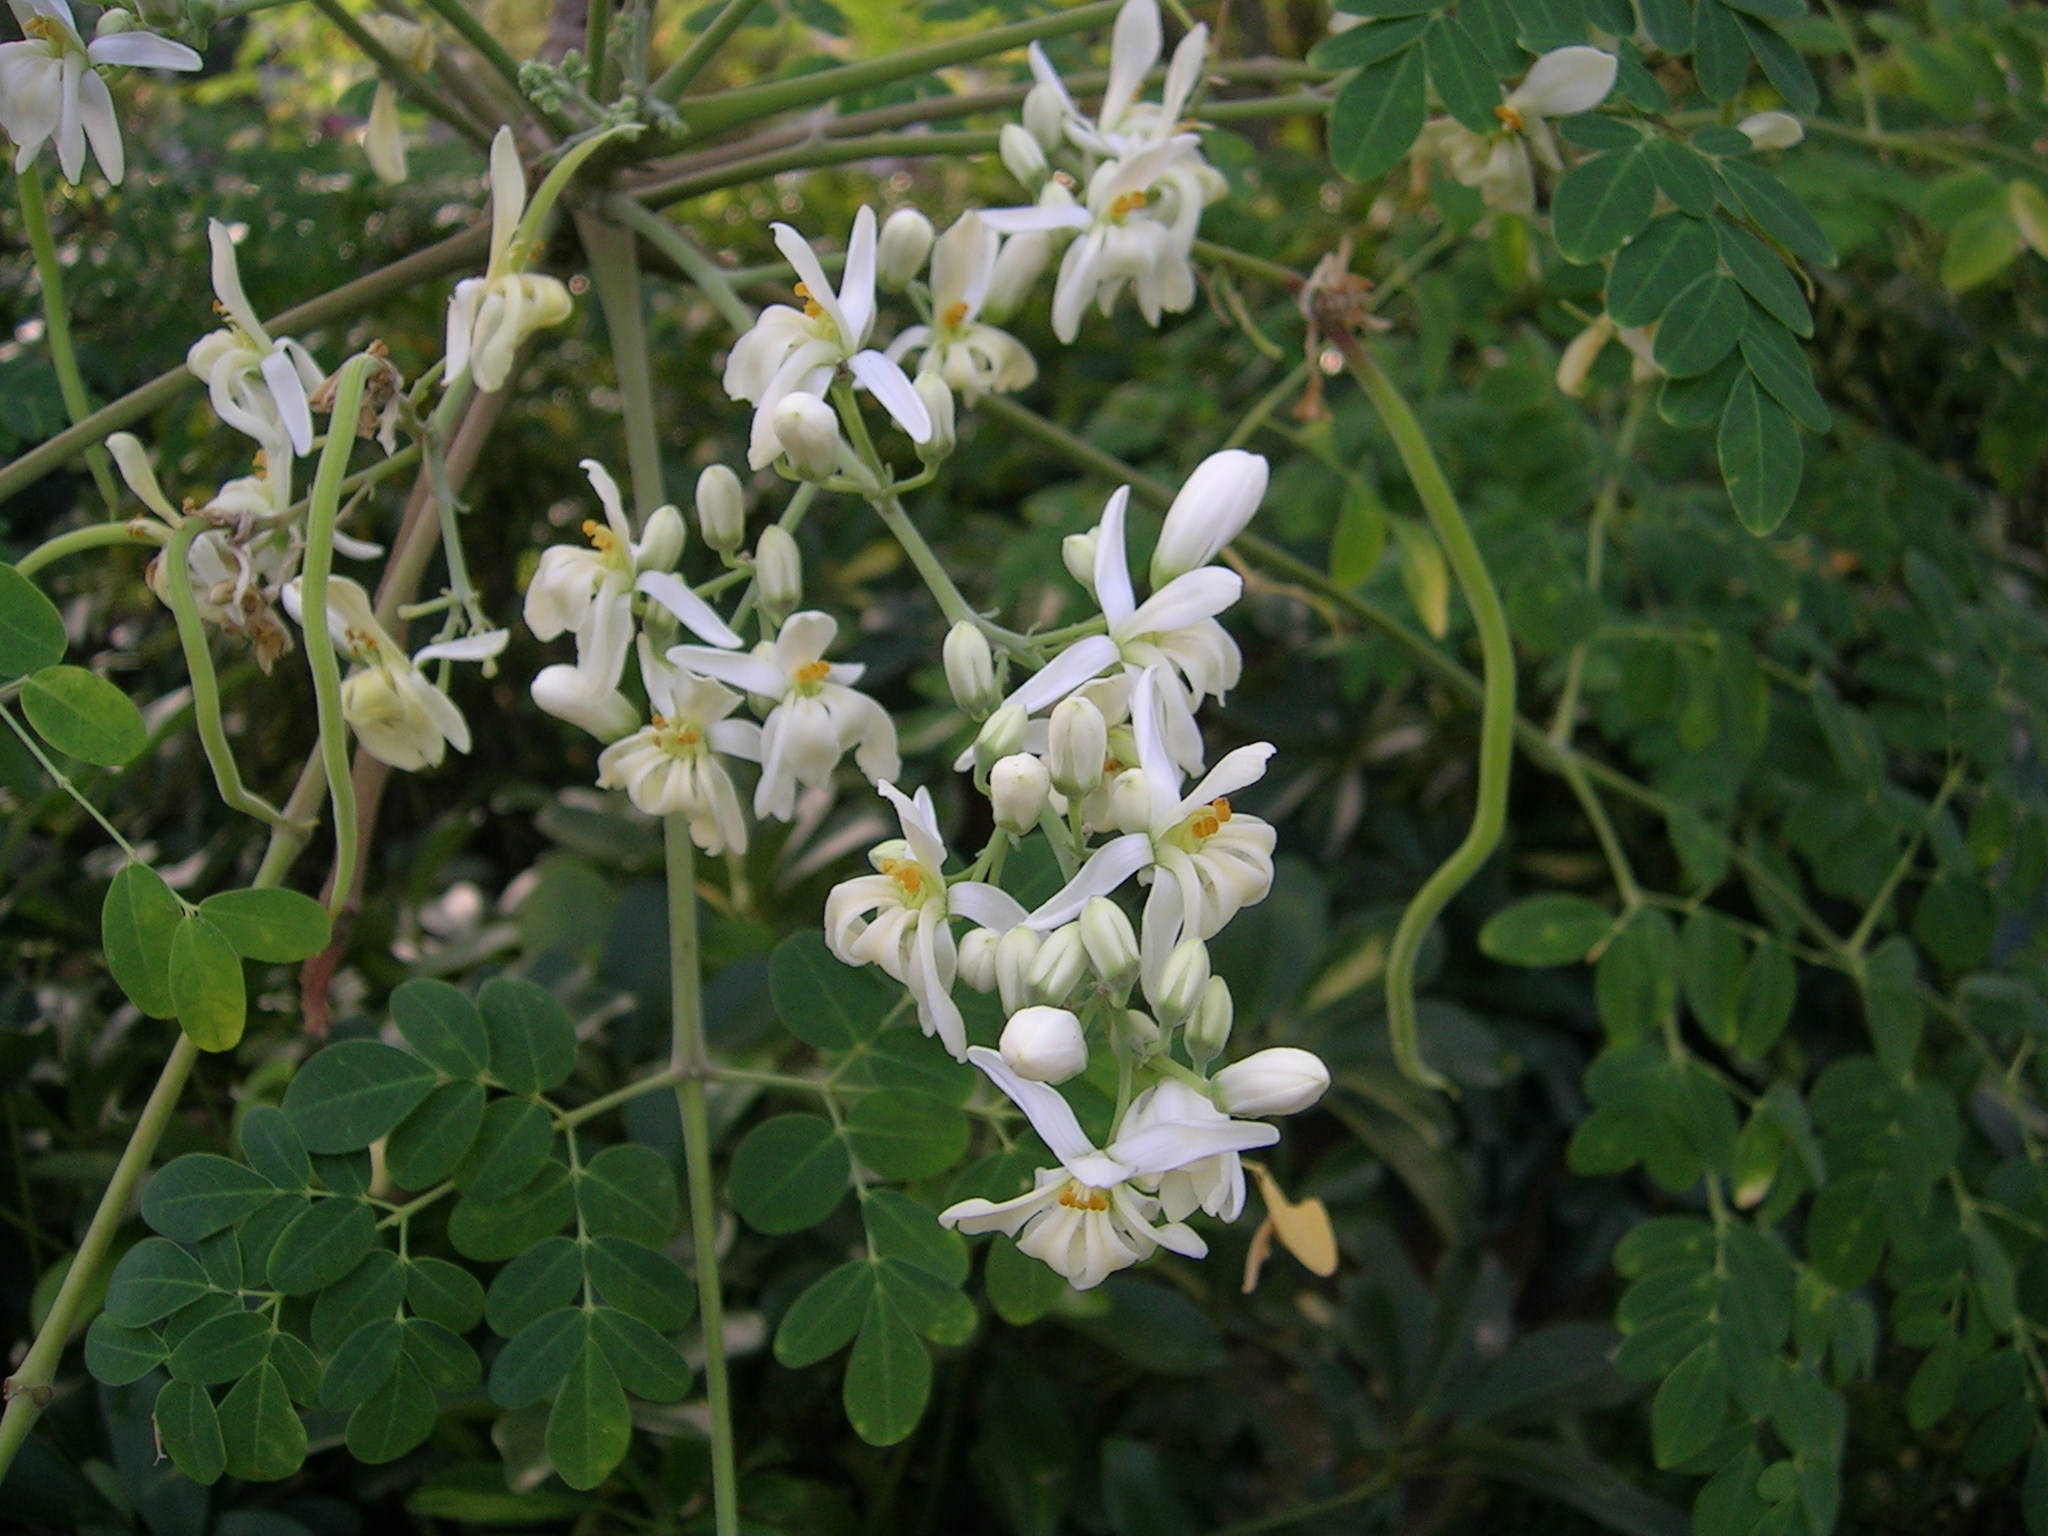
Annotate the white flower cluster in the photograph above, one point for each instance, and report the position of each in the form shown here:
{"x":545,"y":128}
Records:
{"x":1562,"y":83}
{"x":50,"y":86}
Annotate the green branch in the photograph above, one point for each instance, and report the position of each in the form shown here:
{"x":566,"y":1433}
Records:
{"x":709,"y":278}
{"x":35,"y":217}
{"x":682,"y":74}
{"x":810,"y":156}
{"x":615,"y":272}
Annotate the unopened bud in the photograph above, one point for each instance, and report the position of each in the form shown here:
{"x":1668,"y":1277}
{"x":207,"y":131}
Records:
{"x":1208,"y":1027}
{"x":1061,"y":963}
{"x":1022,"y":156}
{"x":1580,"y":354}
{"x":1212,"y":508}
{"x":900,"y":252}
{"x":1019,"y":265}
{"x":808,"y":430}
{"x":1017,"y":789}
{"x":1772,"y":130}
{"x":1016,"y":952}
{"x":1282,"y":1080}
{"x":1130,"y":802}
{"x":721,"y":509}
{"x":977,"y":960}
{"x":1077,"y":552}
{"x":1077,"y":745}
{"x":1182,"y":982}
{"x":1001,"y":734}
{"x":937,"y":396}
{"x":971,"y":669}
{"x":1045,"y":116}
{"x":778,"y":570}
{"x":1111,"y":944}
{"x":1044,"y":1045}
{"x":1142,"y":1029}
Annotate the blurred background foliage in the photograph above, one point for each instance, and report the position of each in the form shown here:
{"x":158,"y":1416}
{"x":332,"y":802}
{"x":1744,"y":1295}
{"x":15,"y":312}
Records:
{"x":1858,"y":695}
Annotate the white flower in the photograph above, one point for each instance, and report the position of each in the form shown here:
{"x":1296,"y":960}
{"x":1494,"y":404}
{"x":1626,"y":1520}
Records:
{"x":800,"y":350}
{"x":1043,"y":1045}
{"x":970,"y":667}
{"x":1281,"y":1080}
{"x":1215,"y":1183}
{"x":816,"y":714}
{"x":1205,"y":860}
{"x":1125,"y":123}
{"x":50,"y":85}
{"x":400,"y":718}
{"x":1089,"y":1218}
{"x":491,"y":316}
{"x":671,"y":766}
{"x":973,"y":358}
{"x":1772,"y":130}
{"x":721,"y":509}
{"x":384,"y":139}
{"x":807,"y":430}
{"x":897,"y":917}
{"x":1213,"y":507}
{"x":258,"y":386}
{"x":1562,"y":83}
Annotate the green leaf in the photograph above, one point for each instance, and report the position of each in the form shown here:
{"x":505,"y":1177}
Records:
{"x":273,"y":1148}
{"x":532,"y":1365}
{"x":900,"y":1228}
{"x":1778,"y":211}
{"x":154,"y":1279}
{"x":222,"y":1348}
{"x":188,"y":1428}
{"x":904,"y":1059}
{"x":443,"y":1026}
{"x":137,"y":922}
{"x":1552,"y":929}
{"x":789,"y":1173}
{"x":429,"y":1143}
{"x":1979,"y":248}
{"x":1701,"y":401}
{"x":275,"y":925}
{"x":354,"y":1092}
{"x":1365,"y":45}
{"x":2034,"y":1488}
{"x":1712,"y":959}
{"x":1783,"y":66}
{"x":1776,"y":362}
{"x":1700,"y":326}
{"x":31,"y":629}
{"x":1465,"y":83}
{"x":1720,"y":52}
{"x":498,"y":1229}
{"x":1425,"y":574}
{"x":362,"y":1365}
{"x":1389,"y":9}
{"x":1360,"y":537}
{"x":646,"y":1364}
{"x":221,"y":1257}
{"x":1769,"y":988}
{"x":1693,"y":1400}
{"x":299,"y":1367}
{"x":824,"y":1319}
{"x":373,"y":1289}
{"x":889,"y":1376}
{"x":265,"y":1440}
{"x":257,"y":1235}
{"x":443,"y":1358}
{"x":323,"y":1246}
{"x":821,"y":1000}
{"x":1635,"y":982}
{"x":509,"y":1149}
{"x":84,"y":716}
{"x":1764,"y":278}
{"x":1021,"y":1289}
{"x":394,"y":1419}
{"x":117,"y":1355}
{"x":1377,"y":115}
{"x":1760,"y":457}
{"x":207,"y":992}
{"x":931,"y":1306}
{"x":533,"y":1044}
{"x":1668,"y":23}
{"x":1845,"y":1229}
{"x":628,"y":1191}
{"x":591,"y":1425}
{"x":444,"y":1293}
{"x":1655,"y":268}
{"x":649,"y":1285}
{"x":194,"y":1196}
{"x":906,"y":1135}
{"x":534,"y":1284}
{"x":1601,"y":202}
{"x":1681,"y":175}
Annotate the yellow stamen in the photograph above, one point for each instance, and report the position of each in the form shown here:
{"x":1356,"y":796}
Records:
{"x":954,"y":314}
{"x":812,"y":673}
{"x":813,"y":310}
{"x":44,"y":28}
{"x":1126,"y":203}
{"x":1078,"y":1197}
{"x":1511,"y":117}
{"x":599,"y":535}
{"x":907,"y":873}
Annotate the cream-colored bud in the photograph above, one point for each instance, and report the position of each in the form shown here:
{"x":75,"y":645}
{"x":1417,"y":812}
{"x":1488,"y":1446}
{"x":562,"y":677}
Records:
{"x":1580,"y":353}
{"x":900,"y":253}
{"x":1282,"y":1080}
{"x":1022,"y":156}
{"x":1182,"y":982}
{"x":1130,"y":801}
{"x":971,"y":669}
{"x":1016,"y":952}
{"x":1077,"y":740}
{"x":1772,"y":130}
{"x":721,"y":509}
{"x":937,"y":396}
{"x":1019,"y":265}
{"x":977,"y":964}
{"x":1208,"y":1027}
{"x":778,"y":570}
{"x":1111,"y":943}
{"x":1142,"y":1029}
{"x":1018,"y":787}
{"x":1045,"y":116}
{"x":1044,"y":1045}
{"x":1001,"y":734}
{"x":1077,"y":552}
{"x":1061,"y":962}
{"x":808,"y":430}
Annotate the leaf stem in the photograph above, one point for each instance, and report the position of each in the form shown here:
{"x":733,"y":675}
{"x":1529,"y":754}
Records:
{"x":709,"y":278}
{"x":682,"y":74}
{"x":615,"y":271}
{"x":137,"y":530}
{"x":35,"y":217}
{"x":1565,"y":717}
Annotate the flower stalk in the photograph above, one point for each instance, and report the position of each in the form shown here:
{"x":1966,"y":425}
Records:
{"x":35,"y":219}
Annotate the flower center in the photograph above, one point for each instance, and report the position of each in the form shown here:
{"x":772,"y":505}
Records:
{"x":1511,"y":117}
{"x":811,"y":676}
{"x":813,"y":310}
{"x":1080,"y":1197}
{"x":1202,"y":825}
{"x":908,"y":876}
{"x":953,"y":315}
{"x":601,"y":537}
{"x":46,"y":29}
{"x":678,"y":738}
{"x":1126,"y":202}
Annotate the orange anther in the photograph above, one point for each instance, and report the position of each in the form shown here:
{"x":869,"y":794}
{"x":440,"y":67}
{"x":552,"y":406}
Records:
{"x":812,"y":673}
{"x":1078,"y":1197}
{"x":953,"y":315}
{"x":1126,"y":203}
{"x":1511,"y":117}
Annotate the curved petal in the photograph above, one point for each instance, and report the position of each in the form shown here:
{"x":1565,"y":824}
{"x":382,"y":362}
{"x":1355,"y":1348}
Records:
{"x":1153,"y":756}
{"x":70,"y":131}
{"x":1026,"y":221}
{"x":804,"y":638}
{"x":102,"y":127}
{"x":1067,"y":671}
{"x":857,"y":281}
{"x":508,"y":198}
{"x":289,"y":391}
{"x":227,"y":283}
{"x":1107,"y":868}
{"x":1200,"y":594}
{"x":984,"y":905}
{"x":1112,"y":567}
{"x":920,"y":823}
{"x":888,"y":383}
{"x":796,"y":250}
{"x":1133,"y":49}
{"x":752,"y":674}
{"x":1184,"y":74}
{"x":1164,"y":1146}
{"x":141,"y":50}
{"x":480,"y":647}
{"x":1050,"y":1115}
{"x":698,"y":616}
{"x":736,"y":738}
{"x":133,"y":462}
{"x":1565,"y":81}
{"x":608,"y":496}
{"x":1245,"y":765}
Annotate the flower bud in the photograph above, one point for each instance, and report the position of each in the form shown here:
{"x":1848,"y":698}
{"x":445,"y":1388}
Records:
{"x":1001,"y":734}
{"x":1141,"y":1029}
{"x":662,"y":540}
{"x":1044,"y":1045}
{"x":1208,"y":1028}
{"x":1212,"y":508}
{"x":1045,"y":116}
{"x":721,"y":509}
{"x":1077,"y":740}
{"x":1111,"y":944}
{"x":1019,"y":265}
{"x":971,"y":669}
{"x":900,"y":252}
{"x":1130,"y":801}
{"x":1182,"y":982}
{"x":1017,"y":790}
{"x":1580,"y":353}
{"x":778,"y":570}
{"x":1059,"y":966}
{"x":1077,"y":552}
{"x":1016,"y":952}
{"x":1772,"y":130}
{"x":1022,"y":156}
{"x":1282,"y":1080}
{"x":937,"y":396}
{"x":977,"y":960}
{"x":808,"y":430}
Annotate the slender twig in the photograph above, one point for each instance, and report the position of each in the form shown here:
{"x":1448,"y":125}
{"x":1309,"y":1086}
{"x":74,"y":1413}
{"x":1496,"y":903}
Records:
{"x":35,"y":218}
{"x":1865,"y":86}
{"x":1860,"y":937}
{"x":135,"y":531}
{"x":710,"y":279}
{"x":615,"y":272}
{"x":822,"y":152}
{"x":682,"y":74}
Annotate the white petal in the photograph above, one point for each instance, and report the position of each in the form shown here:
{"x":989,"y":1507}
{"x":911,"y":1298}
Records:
{"x":674,"y":594}
{"x":857,"y":281}
{"x":469,"y":648}
{"x":141,"y":50}
{"x":227,"y":283}
{"x":1200,"y":594}
{"x":608,"y":496}
{"x":1050,"y":1115}
{"x":1084,"y":659}
{"x":289,"y":391}
{"x":1025,"y":221}
{"x":1107,"y":868}
{"x":102,"y":127}
{"x":889,"y":384}
{"x":1153,"y":756}
{"x":811,"y":274}
{"x":1565,"y":81}
{"x":508,"y":198}
{"x":1112,"y":567}
{"x":1245,"y":765}
{"x":984,"y":905}
{"x":1184,"y":73}
{"x":1166,"y":1145}
{"x":751,"y":674}
{"x":1134,"y":49}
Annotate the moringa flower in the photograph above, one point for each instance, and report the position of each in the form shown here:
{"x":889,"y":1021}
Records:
{"x":50,"y":84}
{"x":491,"y":316}
{"x":973,"y":358}
{"x":1562,"y":83}
{"x":258,"y":386}
{"x":671,"y":766}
